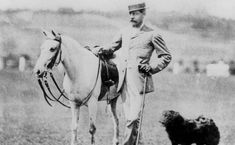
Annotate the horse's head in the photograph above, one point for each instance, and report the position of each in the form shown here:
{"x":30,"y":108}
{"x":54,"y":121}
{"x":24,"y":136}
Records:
{"x":50,"y":54}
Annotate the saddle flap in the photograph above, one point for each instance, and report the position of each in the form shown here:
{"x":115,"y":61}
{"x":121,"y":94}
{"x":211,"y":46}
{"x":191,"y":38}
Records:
{"x":109,"y":73}
{"x":109,"y":78}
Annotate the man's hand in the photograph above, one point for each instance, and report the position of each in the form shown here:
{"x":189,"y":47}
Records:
{"x":145,"y":68}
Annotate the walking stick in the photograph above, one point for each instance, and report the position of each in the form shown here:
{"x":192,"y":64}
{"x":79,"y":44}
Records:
{"x":142,"y":110}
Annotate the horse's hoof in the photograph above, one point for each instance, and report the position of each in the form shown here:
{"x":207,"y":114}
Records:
{"x":93,"y":141}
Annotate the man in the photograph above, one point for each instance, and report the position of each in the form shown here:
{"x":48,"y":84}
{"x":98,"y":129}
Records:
{"x":133,"y":47}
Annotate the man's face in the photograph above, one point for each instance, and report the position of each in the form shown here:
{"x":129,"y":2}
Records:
{"x":136,"y":18}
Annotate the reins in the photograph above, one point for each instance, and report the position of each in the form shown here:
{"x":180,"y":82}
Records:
{"x":62,"y":94}
{"x":57,"y":86}
{"x":56,"y":99}
{"x":46,"y":97}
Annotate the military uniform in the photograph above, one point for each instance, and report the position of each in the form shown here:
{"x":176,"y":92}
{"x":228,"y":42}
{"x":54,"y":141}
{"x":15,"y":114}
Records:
{"x":134,"y":46}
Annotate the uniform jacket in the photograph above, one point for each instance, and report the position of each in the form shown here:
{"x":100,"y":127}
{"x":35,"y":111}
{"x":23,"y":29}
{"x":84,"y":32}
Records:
{"x":135,"y":47}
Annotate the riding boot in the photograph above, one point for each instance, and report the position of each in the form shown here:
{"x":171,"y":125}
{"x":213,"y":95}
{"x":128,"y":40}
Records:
{"x":131,"y":133}
{"x":130,"y":136}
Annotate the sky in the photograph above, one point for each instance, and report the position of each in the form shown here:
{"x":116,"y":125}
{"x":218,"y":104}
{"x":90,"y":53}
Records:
{"x":220,"y":8}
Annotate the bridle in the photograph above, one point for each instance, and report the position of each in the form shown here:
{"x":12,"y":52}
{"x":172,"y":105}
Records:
{"x":43,"y":78}
{"x":57,"y":54}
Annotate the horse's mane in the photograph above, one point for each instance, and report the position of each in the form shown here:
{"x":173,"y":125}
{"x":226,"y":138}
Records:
{"x":76,"y":48}
{"x":70,"y":42}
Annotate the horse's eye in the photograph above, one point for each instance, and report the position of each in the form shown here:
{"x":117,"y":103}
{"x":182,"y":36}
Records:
{"x":52,"y":49}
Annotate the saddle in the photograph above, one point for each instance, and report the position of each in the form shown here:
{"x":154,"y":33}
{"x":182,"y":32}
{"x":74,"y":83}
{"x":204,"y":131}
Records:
{"x":109,"y":77}
{"x":109,"y":73}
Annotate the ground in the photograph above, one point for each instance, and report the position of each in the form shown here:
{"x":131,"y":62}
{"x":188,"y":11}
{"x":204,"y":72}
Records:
{"x":26,"y":119}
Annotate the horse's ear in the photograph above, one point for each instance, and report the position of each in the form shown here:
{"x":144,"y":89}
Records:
{"x":44,"y":33}
{"x":48,"y":34}
{"x":53,"y":33}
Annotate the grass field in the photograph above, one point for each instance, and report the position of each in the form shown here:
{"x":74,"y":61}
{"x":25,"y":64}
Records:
{"x":26,"y":119}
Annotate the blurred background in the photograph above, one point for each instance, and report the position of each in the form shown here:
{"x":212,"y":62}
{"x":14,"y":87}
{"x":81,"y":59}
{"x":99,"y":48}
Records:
{"x":199,"y":33}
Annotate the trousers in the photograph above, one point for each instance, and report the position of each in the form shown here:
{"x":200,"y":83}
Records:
{"x":132,"y":101}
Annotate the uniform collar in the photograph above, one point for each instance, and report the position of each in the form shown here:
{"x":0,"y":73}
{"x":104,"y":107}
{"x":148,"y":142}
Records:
{"x":141,"y":27}
{"x":136,"y":30}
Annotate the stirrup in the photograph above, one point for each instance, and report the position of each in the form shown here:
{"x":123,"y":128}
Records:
{"x":109,"y":82}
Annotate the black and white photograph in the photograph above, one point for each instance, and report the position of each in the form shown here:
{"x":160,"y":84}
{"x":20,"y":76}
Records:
{"x":117,"y":72}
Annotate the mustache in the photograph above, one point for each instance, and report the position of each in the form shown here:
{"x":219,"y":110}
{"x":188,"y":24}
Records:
{"x":132,"y":21}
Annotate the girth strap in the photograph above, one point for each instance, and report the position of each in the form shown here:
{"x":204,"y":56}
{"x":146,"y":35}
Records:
{"x":85,"y":100}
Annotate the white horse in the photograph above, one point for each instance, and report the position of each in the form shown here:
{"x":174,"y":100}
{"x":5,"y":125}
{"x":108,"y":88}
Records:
{"x":80,"y":80}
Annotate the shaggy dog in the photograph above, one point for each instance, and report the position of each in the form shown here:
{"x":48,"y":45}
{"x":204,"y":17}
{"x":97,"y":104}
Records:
{"x":201,"y":131}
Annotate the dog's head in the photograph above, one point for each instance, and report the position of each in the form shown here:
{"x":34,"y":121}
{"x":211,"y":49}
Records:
{"x":170,"y":117}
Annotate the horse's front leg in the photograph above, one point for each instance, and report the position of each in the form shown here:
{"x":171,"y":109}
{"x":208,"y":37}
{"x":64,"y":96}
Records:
{"x":113,"y":110}
{"x":92,"y":107}
{"x":75,"y":108}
